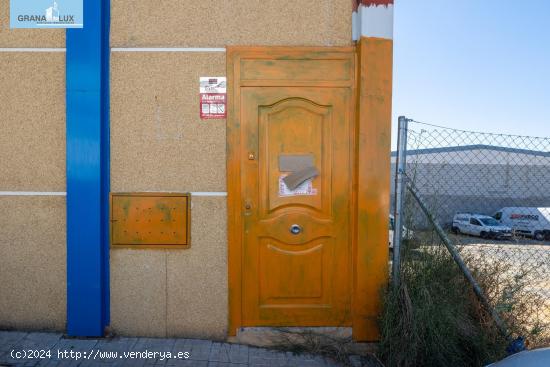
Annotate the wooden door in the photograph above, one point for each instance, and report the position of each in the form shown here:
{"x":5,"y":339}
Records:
{"x":301,"y":278}
{"x":296,"y":250}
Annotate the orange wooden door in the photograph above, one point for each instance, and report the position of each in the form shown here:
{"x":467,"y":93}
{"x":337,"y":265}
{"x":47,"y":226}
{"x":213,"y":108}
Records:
{"x":301,"y":278}
{"x":333,"y":104}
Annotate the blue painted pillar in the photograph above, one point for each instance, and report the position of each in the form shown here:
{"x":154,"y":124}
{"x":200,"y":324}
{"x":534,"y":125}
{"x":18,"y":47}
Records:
{"x":88,"y":172}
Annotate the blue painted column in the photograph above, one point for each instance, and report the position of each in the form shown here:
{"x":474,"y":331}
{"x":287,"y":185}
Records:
{"x":88,"y":172}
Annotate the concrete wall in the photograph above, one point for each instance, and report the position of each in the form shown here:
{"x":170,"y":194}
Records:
{"x":32,"y":151}
{"x":158,"y":143}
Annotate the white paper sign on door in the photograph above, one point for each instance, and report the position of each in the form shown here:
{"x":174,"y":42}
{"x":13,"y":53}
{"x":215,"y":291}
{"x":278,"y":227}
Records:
{"x":306,"y":188}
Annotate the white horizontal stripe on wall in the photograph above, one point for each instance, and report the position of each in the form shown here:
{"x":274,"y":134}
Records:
{"x":30,"y":49}
{"x":61,"y":193}
{"x":167,"y":49}
{"x":208,"y":193}
{"x":33,"y":193}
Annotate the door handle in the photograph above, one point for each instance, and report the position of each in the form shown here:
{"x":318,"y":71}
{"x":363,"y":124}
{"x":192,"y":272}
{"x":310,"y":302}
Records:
{"x":295,"y":229}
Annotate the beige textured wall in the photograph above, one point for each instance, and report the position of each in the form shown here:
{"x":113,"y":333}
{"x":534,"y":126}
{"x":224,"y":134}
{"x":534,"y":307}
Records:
{"x":215,"y":23}
{"x":27,"y":37}
{"x":32,"y":229}
{"x":197,"y":278}
{"x":159,"y":143}
{"x":138,"y":292}
{"x":175,"y":292}
{"x":32,"y":112}
{"x":32,"y":262}
{"x":32,"y":151}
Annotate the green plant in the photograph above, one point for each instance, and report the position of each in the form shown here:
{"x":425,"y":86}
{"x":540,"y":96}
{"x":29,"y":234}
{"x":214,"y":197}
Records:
{"x":434,"y":319}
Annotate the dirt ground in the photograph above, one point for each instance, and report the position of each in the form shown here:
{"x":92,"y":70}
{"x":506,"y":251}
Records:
{"x":520,"y":257}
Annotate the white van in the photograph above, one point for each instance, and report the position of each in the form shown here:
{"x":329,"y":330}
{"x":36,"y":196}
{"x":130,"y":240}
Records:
{"x":533,"y":222}
{"x":480,"y":225}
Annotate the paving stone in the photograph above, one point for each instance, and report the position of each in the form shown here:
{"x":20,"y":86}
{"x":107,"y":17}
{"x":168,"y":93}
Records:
{"x":203,"y":353}
{"x":238,"y":353}
{"x":355,"y":361}
{"x":306,"y":360}
{"x":117,"y":344}
{"x":178,"y":361}
{"x":12,"y":364}
{"x":220,"y":352}
{"x":265,"y":357}
{"x":81,"y":349}
{"x":7,"y":341}
{"x":199,"y":350}
{"x":109,"y":348}
{"x":186,"y":363}
{"x":148,"y":345}
{"x":31,"y":341}
{"x":109,"y":351}
{"x":154,"y":345}
{"x":50,"y":363}
{"x":60,"y":363}
{"x":266,"y":353}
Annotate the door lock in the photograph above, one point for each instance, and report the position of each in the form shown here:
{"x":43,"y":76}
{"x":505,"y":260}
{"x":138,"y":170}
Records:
{"x":295,"y":229}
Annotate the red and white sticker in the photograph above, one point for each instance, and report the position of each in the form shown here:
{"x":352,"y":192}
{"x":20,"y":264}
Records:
{"x":213,"y":97}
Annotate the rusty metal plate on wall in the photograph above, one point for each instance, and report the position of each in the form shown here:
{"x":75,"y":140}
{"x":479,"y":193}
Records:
{"x":150,"y":220}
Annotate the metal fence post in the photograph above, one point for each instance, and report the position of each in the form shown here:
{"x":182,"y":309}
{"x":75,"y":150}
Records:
{"x":400,"y":177}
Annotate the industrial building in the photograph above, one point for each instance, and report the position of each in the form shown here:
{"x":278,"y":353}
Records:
{"x":477,"y":179}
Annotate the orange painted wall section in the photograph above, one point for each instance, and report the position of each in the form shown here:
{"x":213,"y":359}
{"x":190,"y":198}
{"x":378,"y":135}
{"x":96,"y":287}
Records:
{"x":373,"y":175}
{"x":359,"y":204}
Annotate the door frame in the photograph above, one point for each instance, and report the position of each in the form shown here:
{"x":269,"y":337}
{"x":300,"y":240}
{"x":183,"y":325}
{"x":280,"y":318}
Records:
{"x":370,"y":137}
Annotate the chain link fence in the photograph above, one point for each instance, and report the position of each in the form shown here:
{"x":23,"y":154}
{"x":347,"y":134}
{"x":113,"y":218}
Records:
{"x":490,"y":195}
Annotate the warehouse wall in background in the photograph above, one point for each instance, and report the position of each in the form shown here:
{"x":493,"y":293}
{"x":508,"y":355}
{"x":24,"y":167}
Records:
{"x":32,"y":147}
{"x":159,"y":143}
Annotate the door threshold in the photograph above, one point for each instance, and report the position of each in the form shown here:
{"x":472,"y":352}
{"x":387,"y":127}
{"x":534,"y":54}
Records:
{"x":274,"y":336}
{"x":291,"y":337}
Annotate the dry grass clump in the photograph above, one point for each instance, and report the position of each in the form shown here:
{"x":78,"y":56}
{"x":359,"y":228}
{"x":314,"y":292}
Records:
{"x":511,"y":292}
{"x":434,"y":318}
{"x":338,"y":349}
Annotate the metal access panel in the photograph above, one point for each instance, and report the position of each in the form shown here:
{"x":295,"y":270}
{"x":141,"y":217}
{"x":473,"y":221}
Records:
{"x":150,"y":220}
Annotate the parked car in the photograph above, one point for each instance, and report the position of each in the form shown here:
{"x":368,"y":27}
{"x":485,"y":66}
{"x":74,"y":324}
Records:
{"x":480,"y":225}
{"x":532,"y":222}
{"x":527,"y":358}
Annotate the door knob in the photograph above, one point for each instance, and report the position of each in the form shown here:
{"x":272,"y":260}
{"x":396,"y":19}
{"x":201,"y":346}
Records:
{"x":295,"y":229}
